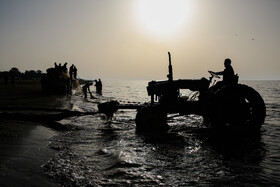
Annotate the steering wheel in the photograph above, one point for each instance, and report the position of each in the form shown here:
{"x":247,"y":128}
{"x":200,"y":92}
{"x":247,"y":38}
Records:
{"x":214,"y":75}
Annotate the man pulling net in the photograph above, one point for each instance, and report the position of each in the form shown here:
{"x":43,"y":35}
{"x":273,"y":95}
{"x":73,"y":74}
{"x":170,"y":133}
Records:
{"x":87,"y":89}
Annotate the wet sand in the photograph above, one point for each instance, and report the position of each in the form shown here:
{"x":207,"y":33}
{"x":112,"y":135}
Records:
{"x":24,"y":145}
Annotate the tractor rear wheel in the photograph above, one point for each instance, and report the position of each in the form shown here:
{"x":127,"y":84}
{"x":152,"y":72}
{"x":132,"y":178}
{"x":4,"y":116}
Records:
{"x":151,"y":119}
{"x":237,"y":106}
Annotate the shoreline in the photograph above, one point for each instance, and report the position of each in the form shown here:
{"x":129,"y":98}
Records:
{"x":24,"y":144}
{"x":24,"y":149}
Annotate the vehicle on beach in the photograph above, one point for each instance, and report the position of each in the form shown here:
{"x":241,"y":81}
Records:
{"x":235,"y":106}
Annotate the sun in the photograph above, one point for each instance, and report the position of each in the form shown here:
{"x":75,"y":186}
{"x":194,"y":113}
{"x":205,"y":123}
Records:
{"x":162,"y":17}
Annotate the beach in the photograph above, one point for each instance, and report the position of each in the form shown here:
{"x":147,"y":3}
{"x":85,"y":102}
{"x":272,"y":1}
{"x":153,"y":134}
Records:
{"x":24,"y":145}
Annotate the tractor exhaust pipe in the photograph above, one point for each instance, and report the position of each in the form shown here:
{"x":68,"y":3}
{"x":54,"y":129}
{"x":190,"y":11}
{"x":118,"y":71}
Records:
{"x":170,"y":75}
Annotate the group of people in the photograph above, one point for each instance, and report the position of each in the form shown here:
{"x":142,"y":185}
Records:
{"x":73,"y":75}
{"x":59,"y":67}
{"x":98,"y":85}
{"x":86,"y":88}
{"x":72,"y":69}
{"x":73,"y":72}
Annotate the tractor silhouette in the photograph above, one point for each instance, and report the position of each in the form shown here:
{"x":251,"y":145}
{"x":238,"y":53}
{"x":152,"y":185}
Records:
{"x":221,"y":105}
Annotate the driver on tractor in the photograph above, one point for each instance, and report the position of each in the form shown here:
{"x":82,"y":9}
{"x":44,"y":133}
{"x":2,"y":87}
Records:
{"x":228,"y":74}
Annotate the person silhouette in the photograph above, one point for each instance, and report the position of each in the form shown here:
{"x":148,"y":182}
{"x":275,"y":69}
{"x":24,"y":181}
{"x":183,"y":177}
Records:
{"x":99,"y":87}
{"x":228,"y":73}
{"x":64,"y":67}
{"x":75,"y":72}
{"x":86,"y":88}
{"x":71,"y":70}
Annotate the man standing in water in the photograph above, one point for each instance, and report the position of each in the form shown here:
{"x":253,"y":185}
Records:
{"x":86,"y":88}
{"x":228,"y":73}
{"x":98,"y":85}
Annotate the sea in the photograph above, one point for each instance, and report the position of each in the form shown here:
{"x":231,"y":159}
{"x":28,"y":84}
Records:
{"x":95,"y":150}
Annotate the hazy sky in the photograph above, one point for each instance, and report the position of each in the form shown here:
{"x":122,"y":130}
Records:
{"x":129,"y":39}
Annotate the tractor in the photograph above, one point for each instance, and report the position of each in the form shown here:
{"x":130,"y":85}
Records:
{"x":232,"y":105}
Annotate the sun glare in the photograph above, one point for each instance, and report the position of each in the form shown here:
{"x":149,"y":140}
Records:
{"x":162,"y":17}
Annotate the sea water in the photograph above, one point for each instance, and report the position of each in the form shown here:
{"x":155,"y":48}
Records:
{"x":96,"y":151}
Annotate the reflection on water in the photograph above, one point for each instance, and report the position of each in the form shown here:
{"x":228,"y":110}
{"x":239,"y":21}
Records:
{"x":109,"y":152}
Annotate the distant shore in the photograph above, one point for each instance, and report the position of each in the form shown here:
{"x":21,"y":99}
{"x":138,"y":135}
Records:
{"x":24,"y":144}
